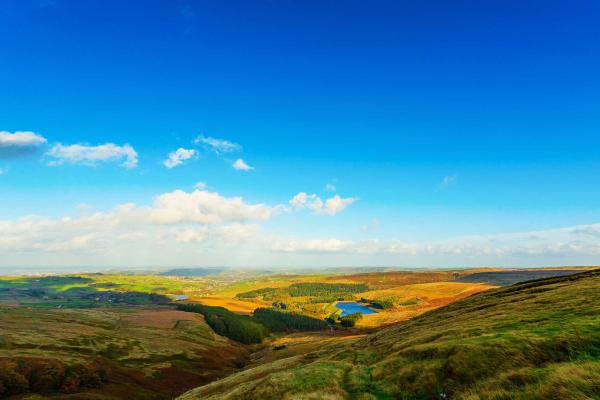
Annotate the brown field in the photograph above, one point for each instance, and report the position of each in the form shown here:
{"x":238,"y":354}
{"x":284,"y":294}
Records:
{"x":425,"y":296}
{"x":165,"y":319}
{"x":428,"y":291}
{"x":237,"y":306}
{"x":385,"y":280}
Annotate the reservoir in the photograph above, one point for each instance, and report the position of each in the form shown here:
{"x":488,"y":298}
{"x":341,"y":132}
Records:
{"x":351,"y":307}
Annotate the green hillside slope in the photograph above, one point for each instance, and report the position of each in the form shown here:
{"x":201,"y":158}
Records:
{"x":534,"y":340}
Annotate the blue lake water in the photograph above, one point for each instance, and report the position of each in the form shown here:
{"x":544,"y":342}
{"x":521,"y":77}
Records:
{"x":351,"y":307}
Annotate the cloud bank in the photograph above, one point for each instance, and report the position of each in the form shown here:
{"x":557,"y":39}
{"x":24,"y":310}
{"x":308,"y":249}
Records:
{"x":202,"y":227}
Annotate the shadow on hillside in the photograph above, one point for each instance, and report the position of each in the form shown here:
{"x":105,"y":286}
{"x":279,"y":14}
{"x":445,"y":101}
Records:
{"x":72,"y":291}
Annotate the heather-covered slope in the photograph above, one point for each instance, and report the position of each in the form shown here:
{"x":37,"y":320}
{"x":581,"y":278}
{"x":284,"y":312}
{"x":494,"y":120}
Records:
{"x":109,"y":353}
{"x":534,"y":340}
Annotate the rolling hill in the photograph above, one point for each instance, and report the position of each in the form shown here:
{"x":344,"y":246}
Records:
{"x":533,"y":340}
{"x":109,"y":353}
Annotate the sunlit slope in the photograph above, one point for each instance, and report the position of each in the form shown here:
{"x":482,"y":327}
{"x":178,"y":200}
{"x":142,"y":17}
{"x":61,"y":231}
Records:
{"x":534,"y":340}
{"x":147,"y":352}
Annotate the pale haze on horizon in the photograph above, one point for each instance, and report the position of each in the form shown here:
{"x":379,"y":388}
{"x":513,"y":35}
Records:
{"x":380,"y":134}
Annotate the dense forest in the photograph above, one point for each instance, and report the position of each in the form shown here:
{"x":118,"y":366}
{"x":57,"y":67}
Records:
{"x":326,"y":289}
{"x":241,"y":328}
{"x":285,"y":321}
{"x":319,"y":292}
{"x":252,"y":294}
{"x":253,"y":329}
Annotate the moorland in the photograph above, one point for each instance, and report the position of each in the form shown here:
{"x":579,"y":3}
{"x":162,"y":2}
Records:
{"x":271,"y":334}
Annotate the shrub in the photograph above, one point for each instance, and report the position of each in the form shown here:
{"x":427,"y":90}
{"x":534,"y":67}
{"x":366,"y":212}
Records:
{"x":350,"y":320}
{"x":23,"y":375}
{"x":382,"y":303}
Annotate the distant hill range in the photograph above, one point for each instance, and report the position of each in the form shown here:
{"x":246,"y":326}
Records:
{"x":193,"y":271}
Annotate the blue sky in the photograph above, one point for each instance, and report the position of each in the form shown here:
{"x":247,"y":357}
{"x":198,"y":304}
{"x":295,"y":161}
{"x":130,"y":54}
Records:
{"x":453,"y":130}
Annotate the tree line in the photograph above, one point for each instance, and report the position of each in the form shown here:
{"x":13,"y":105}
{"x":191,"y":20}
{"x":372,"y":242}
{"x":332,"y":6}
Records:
{"x":285,"y":321}
{"x":253,"y":329}
{"x":320,"y":292}
{"x":241,"y":328}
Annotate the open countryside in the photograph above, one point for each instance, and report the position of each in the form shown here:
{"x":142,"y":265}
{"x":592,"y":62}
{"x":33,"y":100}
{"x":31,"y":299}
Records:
{"x":299,"y":200}
{"x":160,"y":335}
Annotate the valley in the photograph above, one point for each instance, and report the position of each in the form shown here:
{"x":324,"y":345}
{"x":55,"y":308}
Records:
{"x":139,"y":336}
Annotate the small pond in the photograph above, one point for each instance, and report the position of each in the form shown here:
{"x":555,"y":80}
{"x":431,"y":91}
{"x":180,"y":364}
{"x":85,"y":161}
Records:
{"x":351,"y":307}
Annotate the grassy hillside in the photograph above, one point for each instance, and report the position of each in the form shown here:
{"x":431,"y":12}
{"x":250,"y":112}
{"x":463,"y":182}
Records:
{"x":506,"y":278}
{"x":533,"y":340}
{"x":142,"y":352}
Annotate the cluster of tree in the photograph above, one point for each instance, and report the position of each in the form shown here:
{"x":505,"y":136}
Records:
{"x":33,"y":375}
{"x":253,"y":329}
{"x":325,"y":289}
{"x":241,"y":328}
{"x":350,"y":320}
{"x":384,"y":304}
{"x":252,"y":294}
{"x":279,"y":305}
{"x":319,"y":292}
{"x":285,"y":321}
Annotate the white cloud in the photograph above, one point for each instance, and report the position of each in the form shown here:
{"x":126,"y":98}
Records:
{"x":241,"y":165}
{"x":337,"y":204}
{"x":313,"y":246}
{"x":180,"y":228}
{"x":173,"y":218}
{"x":310,"y":201}
{"x":178,"y":156}
{"x":92,"y":155}
{"x":206,"y":207}
{"x":330,"y":187}
{"x":219,"y":146}
{"x":200,"y":185}
{"x":314,"y":203}
{"x":21,"y":139}
{"x":563,"y":243}
{"x":191,"y":235}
